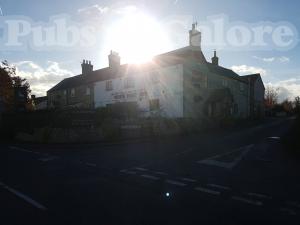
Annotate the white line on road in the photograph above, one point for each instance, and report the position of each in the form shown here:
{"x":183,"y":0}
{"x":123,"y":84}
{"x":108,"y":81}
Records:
{"x":91,"y":164}
{"x":289,"y":211}
{"x":28,"y":151}
{"x":24,"y":197}
{"x":259,"y":195}
{"x":184,"y":152}
{"x":130,"y":172}
{"x":207,"y":191}
{"x":149,"y":177}
{"x":48,"y":158}
{"x":141,"y":169}
{"x":160,"y":173}
{"x":248,"y":201}
{"x":274,"y":138}
{"x":22,"y":150}
{"x":175,"y":183}
{"x":295,"y":204}
{"x":219,"y":186}
{"x":212,"y":161}
{"x":188,"y":179}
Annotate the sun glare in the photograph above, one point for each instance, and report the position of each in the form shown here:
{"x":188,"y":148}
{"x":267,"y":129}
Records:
{"x":137,"y":38}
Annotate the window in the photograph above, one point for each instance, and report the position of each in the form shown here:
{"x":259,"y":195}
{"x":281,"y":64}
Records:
{"x":109,"y":86}
{"x":197,"y":98}
{"x":154,"y":104}
{"x":88,"y":91}
{"x":73,"y":92}
{"x":199,"y":80}
{"x":143,"y":94}
{"x":119,"y":96}
{"x":129,"y":82}
{"x":205,"y":81}
{"x":154,"y":76}
{"x":65,"y":92}
{"x":225,"y":83}
{"x":131,"y":95}
{"x":242,"y":87}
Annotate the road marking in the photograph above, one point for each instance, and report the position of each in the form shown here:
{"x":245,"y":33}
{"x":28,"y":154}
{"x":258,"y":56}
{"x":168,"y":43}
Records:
{"x":149,"y":177}
{"x":219,"y":186}
{"x":216,"y":163}
{"x":248,"y":201}
{"x":274,"y":138}
{"x":259,"y":195}
{"x":48,"y":159}
{"x":130,"y":172}
{"x":228,"y":165}
{"x":22,"y":150}
{"x":207,"y":191}
{"x":141,"y":169}
{"x":184,"y":152}
{"x":123,"y":171}
{"x":91,"y":164}
{"x":295,"y":204}
{"x":24,"y":197}
{"x":28,"y":151}
{"x":289,"y":211}
{"x":174,"y":182}
{"x":160,"y":173}
{"x":188,"y":179}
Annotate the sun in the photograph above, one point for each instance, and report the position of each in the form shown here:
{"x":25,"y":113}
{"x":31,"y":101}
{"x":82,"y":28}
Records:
{"x":137,"y":38}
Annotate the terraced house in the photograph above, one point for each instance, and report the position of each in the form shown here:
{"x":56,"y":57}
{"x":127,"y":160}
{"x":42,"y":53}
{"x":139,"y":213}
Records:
{"x":176,"y":84}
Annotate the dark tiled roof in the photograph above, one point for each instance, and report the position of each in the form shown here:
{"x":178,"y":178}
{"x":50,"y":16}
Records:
{"x":225,"y":72}
{"x":166,"y":59}
{"x":252,"y":76}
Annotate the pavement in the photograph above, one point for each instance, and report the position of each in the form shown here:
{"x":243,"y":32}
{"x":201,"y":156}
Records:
{"x":236,"y":177}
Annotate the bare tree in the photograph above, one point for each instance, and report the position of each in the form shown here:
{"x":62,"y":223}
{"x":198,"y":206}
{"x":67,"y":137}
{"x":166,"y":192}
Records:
{"x":271,"y":96}
{"x":297,"y":104}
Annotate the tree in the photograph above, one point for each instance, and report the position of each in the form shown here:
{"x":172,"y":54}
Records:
{"x":271,"y":96}
{"x":297,"y":104}
{"x":9,"y":83}
{"x":287,"y":106}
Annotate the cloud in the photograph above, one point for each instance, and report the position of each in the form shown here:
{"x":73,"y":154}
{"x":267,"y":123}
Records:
{"x":245,"y":70}
{"x":126,"y":9}
{"x":41,"y":79}
{"x":289,"y":88}
{"x":93,"y":10}
{"x":282,"y":59}
{"x":272,"y":59}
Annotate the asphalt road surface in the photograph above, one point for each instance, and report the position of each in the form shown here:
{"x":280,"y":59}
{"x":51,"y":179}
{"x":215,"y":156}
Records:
{"x":237,"y":177}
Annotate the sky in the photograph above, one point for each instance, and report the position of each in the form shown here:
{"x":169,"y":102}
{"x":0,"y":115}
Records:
{"x":44,"y":67}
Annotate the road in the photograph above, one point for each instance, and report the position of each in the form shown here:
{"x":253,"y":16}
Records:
{"x":236,"y":177}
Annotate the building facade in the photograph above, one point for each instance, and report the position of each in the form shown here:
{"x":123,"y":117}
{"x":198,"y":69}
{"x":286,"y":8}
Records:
{"x":176,"y":84}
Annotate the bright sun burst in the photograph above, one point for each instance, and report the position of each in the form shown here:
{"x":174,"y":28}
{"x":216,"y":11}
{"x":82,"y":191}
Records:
{"x":137,"y":38}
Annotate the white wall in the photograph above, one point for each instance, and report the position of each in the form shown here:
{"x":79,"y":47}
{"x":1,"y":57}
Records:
{"x":165,"y":84}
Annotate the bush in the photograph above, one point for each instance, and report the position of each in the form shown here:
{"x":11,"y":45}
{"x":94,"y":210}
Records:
{"x":291,"y":139}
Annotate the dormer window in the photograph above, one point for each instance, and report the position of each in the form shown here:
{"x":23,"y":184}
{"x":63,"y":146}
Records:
{"x":129,"y":82}
{"x":73,"y":92}
{"x":109,"y":85}
{"x":88,"y":91}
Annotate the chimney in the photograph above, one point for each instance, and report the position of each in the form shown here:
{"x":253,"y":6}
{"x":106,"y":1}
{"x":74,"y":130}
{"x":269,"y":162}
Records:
{"x":215,"y":59}
{"x":87,"y":67}
{"x":195,"y":36}
{"x":114,"y":60}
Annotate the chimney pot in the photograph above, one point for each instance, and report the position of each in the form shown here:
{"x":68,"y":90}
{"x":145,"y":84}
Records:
{"x":87,"y":67}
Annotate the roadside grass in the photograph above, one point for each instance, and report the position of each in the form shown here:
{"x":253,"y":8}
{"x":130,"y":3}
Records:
{"x":292,"y":139}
